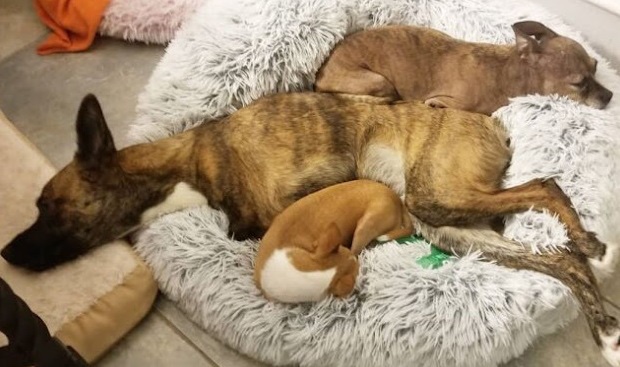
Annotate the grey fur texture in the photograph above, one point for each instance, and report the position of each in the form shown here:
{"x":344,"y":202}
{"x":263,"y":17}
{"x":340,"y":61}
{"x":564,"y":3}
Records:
{"x":467,"y":313}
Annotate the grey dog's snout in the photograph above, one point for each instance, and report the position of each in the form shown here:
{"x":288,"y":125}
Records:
{"x":600,"y":95}
{"x":606,"y":97}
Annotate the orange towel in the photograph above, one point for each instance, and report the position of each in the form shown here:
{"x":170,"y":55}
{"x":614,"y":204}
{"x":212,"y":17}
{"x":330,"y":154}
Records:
{"x":73,"y":23}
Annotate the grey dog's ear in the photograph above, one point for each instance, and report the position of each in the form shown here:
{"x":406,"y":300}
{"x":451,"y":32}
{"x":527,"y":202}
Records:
{"x":528,"y":33}
{"x":536,"y":29}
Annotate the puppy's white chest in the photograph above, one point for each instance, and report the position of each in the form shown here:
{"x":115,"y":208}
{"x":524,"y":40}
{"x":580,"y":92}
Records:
{"x":282,"y":281}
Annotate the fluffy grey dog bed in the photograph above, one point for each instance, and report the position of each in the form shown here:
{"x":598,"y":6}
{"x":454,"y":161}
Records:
{"x":467,"y":313}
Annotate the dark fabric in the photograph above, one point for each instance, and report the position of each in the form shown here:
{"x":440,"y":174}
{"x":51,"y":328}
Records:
{"x":30,"y":342}
{"x":9,"y":357}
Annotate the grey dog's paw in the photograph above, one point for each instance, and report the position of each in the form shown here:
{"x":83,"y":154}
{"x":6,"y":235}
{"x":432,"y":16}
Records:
{"x":436,"y":102}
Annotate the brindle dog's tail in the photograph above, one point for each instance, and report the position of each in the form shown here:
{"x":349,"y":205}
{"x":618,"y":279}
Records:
{"x":570,"y":268}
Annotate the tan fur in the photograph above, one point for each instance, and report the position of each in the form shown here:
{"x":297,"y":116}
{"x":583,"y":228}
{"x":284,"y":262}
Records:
{"x":407,"y":62}
{"x":325,"y":224}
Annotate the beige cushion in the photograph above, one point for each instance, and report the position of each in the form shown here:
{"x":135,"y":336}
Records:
{"x":89,"y":303}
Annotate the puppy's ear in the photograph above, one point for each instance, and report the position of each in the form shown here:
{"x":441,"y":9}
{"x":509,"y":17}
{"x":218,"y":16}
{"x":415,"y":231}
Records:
{"x":344,"y":285}
{"x":94,"y":140}
{"x":328,"y":242}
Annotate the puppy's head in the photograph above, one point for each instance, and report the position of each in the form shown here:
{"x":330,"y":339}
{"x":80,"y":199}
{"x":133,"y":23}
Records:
{"x":82,"y":206}
{"x":562,"y":65}
{"x":295,"y":274}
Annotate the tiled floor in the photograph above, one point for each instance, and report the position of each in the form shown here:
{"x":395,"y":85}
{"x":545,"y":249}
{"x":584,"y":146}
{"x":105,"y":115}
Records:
{"x":41,"y":95}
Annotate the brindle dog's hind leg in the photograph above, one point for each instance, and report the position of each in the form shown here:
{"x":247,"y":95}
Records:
{"x":467,"y":206}
{"x":571,"y":269}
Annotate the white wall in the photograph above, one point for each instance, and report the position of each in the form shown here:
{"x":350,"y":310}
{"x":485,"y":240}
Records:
{"x":600,"y":26}
{"x":611,"y":5}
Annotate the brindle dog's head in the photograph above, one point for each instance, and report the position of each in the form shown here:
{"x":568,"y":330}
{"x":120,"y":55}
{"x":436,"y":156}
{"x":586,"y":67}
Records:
{"x":562,"y":65}
{"x":82,"y":206}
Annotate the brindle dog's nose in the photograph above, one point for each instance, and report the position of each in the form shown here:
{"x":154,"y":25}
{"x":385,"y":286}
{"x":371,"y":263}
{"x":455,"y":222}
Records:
{"x":7,"y":253}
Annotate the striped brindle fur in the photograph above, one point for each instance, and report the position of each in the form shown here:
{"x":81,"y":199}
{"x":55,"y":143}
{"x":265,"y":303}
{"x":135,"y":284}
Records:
{"x":447,"y":163}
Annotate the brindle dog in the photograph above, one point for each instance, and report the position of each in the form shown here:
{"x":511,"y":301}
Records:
{"x":406,"y":62}
{"x":257,"y":161}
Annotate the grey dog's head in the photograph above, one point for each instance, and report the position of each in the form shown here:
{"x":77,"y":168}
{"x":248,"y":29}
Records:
{"x":562,"y":63}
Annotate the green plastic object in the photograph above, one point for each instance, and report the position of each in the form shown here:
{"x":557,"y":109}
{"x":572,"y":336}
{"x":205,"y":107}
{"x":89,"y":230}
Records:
{"x":434,"y":260}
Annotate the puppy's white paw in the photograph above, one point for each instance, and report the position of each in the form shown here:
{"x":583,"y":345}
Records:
{"x":611,"y":348}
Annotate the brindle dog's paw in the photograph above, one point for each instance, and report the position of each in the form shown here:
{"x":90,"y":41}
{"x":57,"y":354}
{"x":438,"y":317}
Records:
{"x":610,"y":346}
{"x":591,"y":246}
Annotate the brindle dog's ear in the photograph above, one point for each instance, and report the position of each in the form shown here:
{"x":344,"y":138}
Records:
{"x":524,"y":31}
{"x":94,"y":140}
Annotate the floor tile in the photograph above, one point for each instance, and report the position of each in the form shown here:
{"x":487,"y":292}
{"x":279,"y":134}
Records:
{"x":154,"y":343}
{"x":572,"y":346}
{"x":218,"y":352}
{"x":41,"y":94}
{"x":19,"y":26}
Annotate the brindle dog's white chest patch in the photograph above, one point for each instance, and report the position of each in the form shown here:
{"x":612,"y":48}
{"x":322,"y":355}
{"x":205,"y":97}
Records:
{"x":282,"y":281}
{"x":384,"y":164}
{"x":182,"y":196}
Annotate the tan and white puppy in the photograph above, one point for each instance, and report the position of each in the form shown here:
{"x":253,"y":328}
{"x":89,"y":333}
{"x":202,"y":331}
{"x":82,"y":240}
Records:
{"x":305,"y":255}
